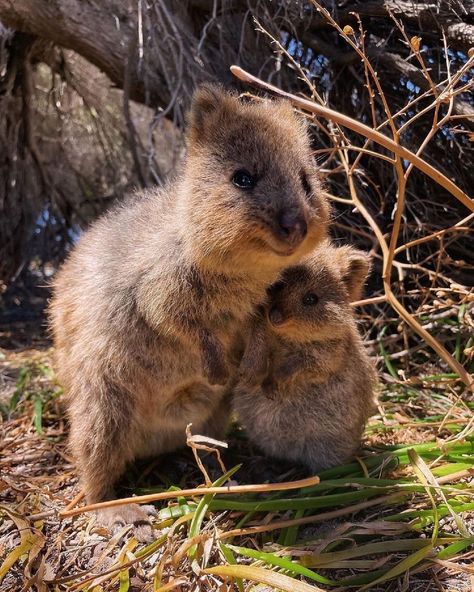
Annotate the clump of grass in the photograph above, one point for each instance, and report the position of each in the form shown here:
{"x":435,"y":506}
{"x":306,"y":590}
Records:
{"x":399,"y":512}
{"x":33,"y":392}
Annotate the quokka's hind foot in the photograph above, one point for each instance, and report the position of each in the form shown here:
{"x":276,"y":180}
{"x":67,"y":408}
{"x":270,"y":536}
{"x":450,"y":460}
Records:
{"x":138,"y":516}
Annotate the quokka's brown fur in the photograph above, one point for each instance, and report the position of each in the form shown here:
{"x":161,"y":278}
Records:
{"x":151,"y":302}
{"x":306,"y":383}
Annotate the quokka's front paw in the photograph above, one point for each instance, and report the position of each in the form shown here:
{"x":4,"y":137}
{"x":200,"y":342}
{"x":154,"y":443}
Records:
{"x":217,"y":372}
{"x":138,"y":516}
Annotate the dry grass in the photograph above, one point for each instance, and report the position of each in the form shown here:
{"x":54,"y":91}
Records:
{"x":346,"y":157}
{"x":401,"y":517}
{"x":414,"y":503}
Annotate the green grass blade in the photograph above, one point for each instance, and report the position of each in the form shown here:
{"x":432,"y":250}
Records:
{"x":38,"y":415}
{"x":304,"y":503}
{"x":403,"y":566}
{"x":230,"y":558}
{"x":287,"y":564}
{"x":124,"y":579}
{"x":289,"y":535}
{"x":386,"y":358}
{"x":363,"y":578}
{"x":203,"y":507}
{"x":425,"y":516}
{"x":386,"y":461}
{"x":455,"y":548}
{"x":325,"y":559}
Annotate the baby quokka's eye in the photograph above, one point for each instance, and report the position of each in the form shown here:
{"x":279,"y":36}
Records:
{"x":310,"y":299}
{"x":243,"y":179}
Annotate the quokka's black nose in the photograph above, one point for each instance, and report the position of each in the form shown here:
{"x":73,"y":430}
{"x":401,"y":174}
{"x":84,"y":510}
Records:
{"x":275,"y":316}
{"x":292,"y":227}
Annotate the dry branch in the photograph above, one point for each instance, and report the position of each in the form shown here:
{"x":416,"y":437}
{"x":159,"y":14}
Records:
{"x":362,"y":129}
{"x":387,"y":250}
{"x":225,"y":490}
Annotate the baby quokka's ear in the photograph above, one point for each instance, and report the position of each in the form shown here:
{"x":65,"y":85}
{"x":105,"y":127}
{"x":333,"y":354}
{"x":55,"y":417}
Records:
{"x":208,"y":101}
{"x":355,"y":266}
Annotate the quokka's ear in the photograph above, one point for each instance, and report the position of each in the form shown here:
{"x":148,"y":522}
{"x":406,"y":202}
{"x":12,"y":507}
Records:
{"x":355,"y":267}
{"x":207,"y":99}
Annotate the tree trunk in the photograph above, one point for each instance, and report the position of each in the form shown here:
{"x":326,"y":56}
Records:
{"x":170,"y":47}
{"x":159,"y":55}
{"x":158,"y":51}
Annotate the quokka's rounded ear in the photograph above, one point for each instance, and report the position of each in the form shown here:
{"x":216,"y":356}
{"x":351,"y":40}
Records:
{"x":207,"y":99}
{"x":287,"y":112}
{"x":355,"y":267}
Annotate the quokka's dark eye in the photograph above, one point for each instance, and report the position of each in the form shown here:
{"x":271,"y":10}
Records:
{"x":310,"y":299}
{"x":305,"y":183}
{"x":243,"y":179}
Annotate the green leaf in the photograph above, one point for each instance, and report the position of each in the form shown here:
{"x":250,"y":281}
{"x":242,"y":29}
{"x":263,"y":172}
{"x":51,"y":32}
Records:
{"x":38,"y":415}
{"x":286,"y":564}
{"x":403,"y":566}
{"x":203,"y":507}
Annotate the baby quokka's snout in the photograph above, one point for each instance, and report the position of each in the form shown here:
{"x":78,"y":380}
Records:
{"x":276,"y":316}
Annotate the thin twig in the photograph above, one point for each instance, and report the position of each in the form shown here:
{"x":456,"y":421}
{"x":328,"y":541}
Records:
{"x":279,"y":524}
{"x":165,"y":495}
{"x":362,"y":129}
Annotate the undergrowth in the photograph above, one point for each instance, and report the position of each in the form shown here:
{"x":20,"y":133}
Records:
{"x":401,"y":516}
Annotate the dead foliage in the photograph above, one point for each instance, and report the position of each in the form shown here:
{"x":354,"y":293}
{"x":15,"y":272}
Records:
{"x":395,"y":504}
{"x":401,"y":516}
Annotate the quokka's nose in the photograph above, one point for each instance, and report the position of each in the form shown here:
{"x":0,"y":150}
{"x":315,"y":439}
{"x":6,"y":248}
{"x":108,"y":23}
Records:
{"x":275,"y":316}
{"x":292,"y":227}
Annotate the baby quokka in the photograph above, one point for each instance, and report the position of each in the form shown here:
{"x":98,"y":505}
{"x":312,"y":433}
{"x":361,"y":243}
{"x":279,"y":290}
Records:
{"x":306,"y":386}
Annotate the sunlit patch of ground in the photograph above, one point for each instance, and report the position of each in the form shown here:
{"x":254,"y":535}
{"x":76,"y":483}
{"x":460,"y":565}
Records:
{"x":422,"y":529}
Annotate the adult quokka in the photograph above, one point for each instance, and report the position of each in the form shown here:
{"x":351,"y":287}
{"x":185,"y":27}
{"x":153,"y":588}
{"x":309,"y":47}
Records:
{"x":306,"y":384}
{"x":150,"y":304}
